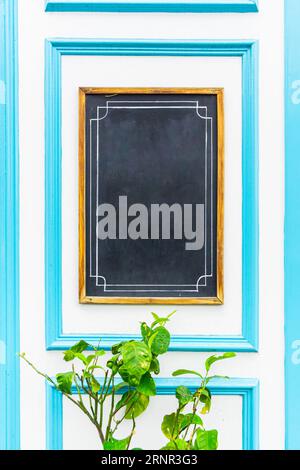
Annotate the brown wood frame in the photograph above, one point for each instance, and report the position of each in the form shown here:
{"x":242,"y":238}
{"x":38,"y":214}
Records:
{"x":219,"y":299}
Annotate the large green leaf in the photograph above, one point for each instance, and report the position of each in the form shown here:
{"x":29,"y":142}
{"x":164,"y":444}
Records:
{"x":169,"y":446}
{"x":172,"y":425}
{"x":147,"y":385}
{"x":134,"y":381}
{"x":115,"y":444}
{"x":169,"y":426}
{"x":183,"y":395}
{"x":161,"y":341}
{"x":206,"y":440}
{"x":136,"y":358}
{"x":126,"y":398}
{"x":145,"y":331}
{"x":190,"y":418}
{"x":212,"y":359}
{"x":137,"y":406}
{"x":64,"y":382}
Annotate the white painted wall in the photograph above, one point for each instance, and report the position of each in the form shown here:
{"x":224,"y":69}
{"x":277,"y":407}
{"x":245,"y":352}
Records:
{"x":267,"y":365}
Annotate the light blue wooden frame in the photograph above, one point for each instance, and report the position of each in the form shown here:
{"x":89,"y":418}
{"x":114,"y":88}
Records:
{"x":9,"y":229}
{"x":248,"y":389}
{"x":172,"y":6}
{"x":292,"y":225}
{"x":55,"y":49}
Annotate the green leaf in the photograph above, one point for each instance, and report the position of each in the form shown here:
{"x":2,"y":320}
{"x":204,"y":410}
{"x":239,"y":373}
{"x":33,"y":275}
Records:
{"x":95,"y":385}
{"x":172,"y":425}
{"x":177,"y":444}
{"x":82,"y":358}
{"x":205,"y":397}
{"x":216,"y":377}
{"x":64,"y":382}
{"x":125,"y":375}
{"x":94,"y":356}
{"x":168,"y":426}
{"x":151,"y":339}
{"x":80,"y":347}
{"x":212,"y":359}
{"x":161,"y":342}
{"x":181,"y":444}
{"x":154,"y":366}
{"x":161,"y":320}
{"x":117,"y":347}
{"x":170,"y":446}
{"x":115,"y":444}
{"x":75,"y":351}
{"x":137,"y":358}
{"x":185,"y":371}
{"x":92,"y":368}
{"x":112,"y":362}
{"x":155,"y":316}
{"x":190,"y":418}
{"x":206,"y":440}
{"x":69,"y":355}
{"x":145,"y":331}
{"x":147,"y":385}
{"x":137,"y":406}
{"x":183,"y":395}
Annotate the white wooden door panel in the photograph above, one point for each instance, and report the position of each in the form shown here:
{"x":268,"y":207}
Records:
{"x":267,"y":365}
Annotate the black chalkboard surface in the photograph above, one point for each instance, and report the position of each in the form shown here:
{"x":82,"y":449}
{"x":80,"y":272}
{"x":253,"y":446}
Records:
{"x":151,"y":196}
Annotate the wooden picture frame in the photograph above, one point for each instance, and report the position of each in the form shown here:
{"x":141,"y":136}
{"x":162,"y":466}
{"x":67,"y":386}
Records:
{"x":84,"y":296}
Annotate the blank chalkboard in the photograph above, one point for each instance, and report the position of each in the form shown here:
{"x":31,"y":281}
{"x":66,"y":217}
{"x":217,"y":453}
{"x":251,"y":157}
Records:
{"x":151,"y":196}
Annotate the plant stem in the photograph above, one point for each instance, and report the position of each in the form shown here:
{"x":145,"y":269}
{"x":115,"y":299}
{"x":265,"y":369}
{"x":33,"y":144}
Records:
{"x":112,"y":406}
{"x":79,"y":403}
{"x":132,"y":433}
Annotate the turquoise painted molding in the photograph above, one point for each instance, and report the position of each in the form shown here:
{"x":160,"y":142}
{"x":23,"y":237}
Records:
{"x":9,"y":229}
{"x":173,"y":6}
{"x":55,"y":49}
{"x":292,"y":224}
{"x":248,"y":389}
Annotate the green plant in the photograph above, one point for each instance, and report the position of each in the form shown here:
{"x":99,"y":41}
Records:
{"x":186,"y":431}
{"x":129,"y":373}
{"x":134,"y":361}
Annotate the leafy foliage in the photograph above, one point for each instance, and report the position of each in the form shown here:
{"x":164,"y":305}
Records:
{"x":64,"y":382}
{"x":115,"y":444}
{"x":129,"y":373}
{"x":136,"y":357}
{"x":134,"y":362}
{"x":187,"y":431}
{"x":206,"y":440}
